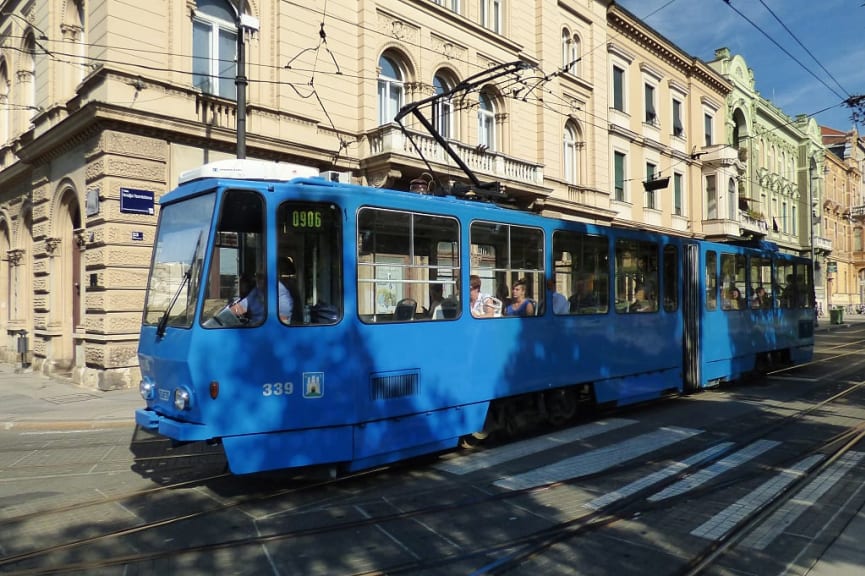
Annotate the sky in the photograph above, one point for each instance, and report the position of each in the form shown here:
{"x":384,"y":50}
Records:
{"x":832,"y":31}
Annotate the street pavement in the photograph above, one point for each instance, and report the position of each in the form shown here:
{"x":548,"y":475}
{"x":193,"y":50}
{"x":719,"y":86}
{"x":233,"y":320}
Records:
{"x":32,"y":401}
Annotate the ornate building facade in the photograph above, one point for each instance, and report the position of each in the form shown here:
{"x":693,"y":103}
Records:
{"x":103,"y":105}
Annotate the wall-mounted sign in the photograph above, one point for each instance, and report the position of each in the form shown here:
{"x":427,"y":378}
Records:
{"x":138,"y":236}
{"x":832,"y":267}
{"x":136,"y":201}
{"x":91,"y":206}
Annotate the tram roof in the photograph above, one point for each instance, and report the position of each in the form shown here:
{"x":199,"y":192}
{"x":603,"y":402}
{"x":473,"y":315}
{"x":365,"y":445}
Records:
{"x":245,"y":169}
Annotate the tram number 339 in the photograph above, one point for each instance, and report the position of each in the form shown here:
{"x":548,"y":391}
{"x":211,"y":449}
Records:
{"x":277,"y":389}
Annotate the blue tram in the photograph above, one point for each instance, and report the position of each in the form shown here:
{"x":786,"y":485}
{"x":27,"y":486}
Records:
{"x":365,"y":350}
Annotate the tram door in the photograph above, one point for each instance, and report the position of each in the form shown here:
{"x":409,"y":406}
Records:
{"x":691,"y":315}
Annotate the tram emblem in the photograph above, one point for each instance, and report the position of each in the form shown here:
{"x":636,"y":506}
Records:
{"x":313,"y":384}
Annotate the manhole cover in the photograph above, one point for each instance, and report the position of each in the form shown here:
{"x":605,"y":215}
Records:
{"x":70,"y":398}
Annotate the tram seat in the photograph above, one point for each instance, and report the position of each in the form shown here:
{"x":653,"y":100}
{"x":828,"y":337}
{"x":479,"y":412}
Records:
{"x":448,"y":308}
{"x":405,"y":309}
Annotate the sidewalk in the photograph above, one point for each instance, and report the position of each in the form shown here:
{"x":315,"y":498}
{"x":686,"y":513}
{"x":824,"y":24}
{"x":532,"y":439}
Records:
{"x":32,"y":401}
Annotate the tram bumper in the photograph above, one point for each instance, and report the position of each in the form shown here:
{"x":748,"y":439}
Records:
{"x":179,"y":431}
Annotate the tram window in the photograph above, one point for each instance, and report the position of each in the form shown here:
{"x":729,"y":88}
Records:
{"x":791,"y":286}
{"x":761,"y":282}
{"x":804,"y":290}
{"x":502,"y":254}
{"x":177,"y":261}
{"x":671,"y":278}
{"x":636,"y":283}
{"x":582,"y":271}
{"x":237,"y":259}
{"x":408,"y":266}
{"x":309,"y":261}
{"x":733,"y":281}
{"x":711,"y":280}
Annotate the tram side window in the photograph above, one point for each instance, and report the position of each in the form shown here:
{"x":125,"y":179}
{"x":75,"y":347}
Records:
{"x":237,"y":261}
{"x":804,"y":290}
{"x":582,"y":272}
{"x":761,"y":282}
{"x":671,"y":278}
{"x":791,"y":284}
{"x":711,"y":280}
{"x":309,"y":261}
{"x":733,"y":281}
{"x":502,"y":255}
{"x":636,"y":276}
{"x":408,"y":266}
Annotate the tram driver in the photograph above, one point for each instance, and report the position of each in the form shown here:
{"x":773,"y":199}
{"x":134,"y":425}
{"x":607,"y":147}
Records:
{"x":252,"y":306}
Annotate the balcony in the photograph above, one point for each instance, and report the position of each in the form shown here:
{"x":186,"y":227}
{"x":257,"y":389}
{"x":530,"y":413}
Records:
{"x":390,"y":141}
{"x":750,"y":224}
{"x":822,"y":244}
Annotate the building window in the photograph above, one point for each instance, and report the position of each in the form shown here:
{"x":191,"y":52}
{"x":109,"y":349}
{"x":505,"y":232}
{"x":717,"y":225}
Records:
{"x":677,"y":194}
{"x":4,"y":103}
{"x":491,"y":15}
{"x":618,"y":89}
{"x":794,"y":221}
{"x":391,"y":91}
{"x":570,"y":52}
{"x":707,"y":123}
{"x":650,"y":194}
{"x":571,"y":146}
{"x":454,"y":5}
{"x":486,"y":122}
{"x":784,"y":217}
{"x":651,"y":114}
{"x":619,"y":175}
{"x":214,"y":48}
{"x":443,"y":109}
{"x":732,"y":205}
{"x":678,"y":127}
{"x":711,"y":198}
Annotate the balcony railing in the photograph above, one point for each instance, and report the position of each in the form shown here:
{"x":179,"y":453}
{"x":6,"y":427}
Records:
{"x":823,"y":244}
{"x":390,"y":139}
{"x":751,"y":224}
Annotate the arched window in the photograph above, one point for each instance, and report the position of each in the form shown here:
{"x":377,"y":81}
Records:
{"x":4,"y":103}
{"x":486,"y":121}
{"x":443,"y":110}
{"x":391,"y":91}
{"x":570,"y":52}
{"x":571,"y":154}
{"x":214,"y":48}
{"x":28,"y":65}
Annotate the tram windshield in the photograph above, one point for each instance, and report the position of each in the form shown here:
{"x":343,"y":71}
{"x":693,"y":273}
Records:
{"x":172,"y":290}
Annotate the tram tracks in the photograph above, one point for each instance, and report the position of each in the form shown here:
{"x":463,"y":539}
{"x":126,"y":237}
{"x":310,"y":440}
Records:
{"x":530,"y":544}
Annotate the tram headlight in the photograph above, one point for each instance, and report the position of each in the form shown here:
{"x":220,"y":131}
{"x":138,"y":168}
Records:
{"x":181,"y":399}
{"x":146,"y":389}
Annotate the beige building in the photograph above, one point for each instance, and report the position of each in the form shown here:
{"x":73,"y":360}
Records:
{"x":666,"y":120}
{"x":103,"y":105}
{"x":843,"y":216}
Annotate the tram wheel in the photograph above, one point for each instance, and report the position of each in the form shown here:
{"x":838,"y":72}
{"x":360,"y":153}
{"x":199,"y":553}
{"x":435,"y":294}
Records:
{"x":561,"y":406}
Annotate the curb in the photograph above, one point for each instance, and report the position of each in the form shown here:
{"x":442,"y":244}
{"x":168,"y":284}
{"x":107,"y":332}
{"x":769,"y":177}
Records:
{"x":66,"y":425}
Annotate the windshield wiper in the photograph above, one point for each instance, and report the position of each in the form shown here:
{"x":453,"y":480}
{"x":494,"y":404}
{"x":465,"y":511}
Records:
{"x":187,"y":276}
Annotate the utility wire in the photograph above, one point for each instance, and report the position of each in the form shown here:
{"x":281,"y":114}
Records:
{"x":784,"y":50}
{"x":790,"y":32}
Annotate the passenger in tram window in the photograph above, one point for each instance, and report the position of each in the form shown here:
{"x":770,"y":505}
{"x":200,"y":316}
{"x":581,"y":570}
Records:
{"x":520,"y":305}
{"x":736,"y":300}
{"x":646,"y":289}
{"x":760,"y":300}
{"x":481,"y":304}
{"x":560,"y":303}
{"x":583,"y":299}
{"x":503,"y":294}
{"x":435,"y":299}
